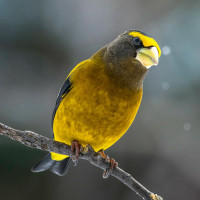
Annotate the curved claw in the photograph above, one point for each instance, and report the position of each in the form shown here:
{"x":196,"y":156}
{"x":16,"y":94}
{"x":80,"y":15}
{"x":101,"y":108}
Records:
{"x":112,"y":162}
{"x":76,"y":149}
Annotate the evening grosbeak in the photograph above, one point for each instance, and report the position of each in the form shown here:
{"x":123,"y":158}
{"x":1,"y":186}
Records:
{"x":100,"y":97}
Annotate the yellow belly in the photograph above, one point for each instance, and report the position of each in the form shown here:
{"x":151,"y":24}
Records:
{"x":94,"y":112}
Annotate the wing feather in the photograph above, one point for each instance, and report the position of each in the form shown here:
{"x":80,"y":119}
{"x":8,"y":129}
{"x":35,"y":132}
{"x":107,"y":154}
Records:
{"x":66,"y":87}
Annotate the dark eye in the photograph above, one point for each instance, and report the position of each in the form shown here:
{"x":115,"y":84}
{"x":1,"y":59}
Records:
{"x":136,"y":41}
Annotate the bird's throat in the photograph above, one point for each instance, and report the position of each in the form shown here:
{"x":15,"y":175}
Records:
{"x":127,"y":74}
{"x":123,"y":72}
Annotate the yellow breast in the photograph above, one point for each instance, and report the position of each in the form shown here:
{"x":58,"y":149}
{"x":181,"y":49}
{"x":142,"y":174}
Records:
{"x":95,"y":111}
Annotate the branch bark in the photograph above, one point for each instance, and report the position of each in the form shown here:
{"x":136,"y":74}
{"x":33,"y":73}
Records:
{"x":37,"y":141}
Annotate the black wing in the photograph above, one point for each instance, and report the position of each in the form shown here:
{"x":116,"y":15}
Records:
{"x":66,"y":87}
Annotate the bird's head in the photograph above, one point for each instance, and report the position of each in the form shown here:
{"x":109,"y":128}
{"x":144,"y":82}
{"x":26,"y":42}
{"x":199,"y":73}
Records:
{"x":128,"y":57}
{"x":134,"y":46}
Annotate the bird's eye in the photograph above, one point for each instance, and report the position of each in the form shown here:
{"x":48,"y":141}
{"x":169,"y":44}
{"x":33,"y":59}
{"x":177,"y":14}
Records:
{"x":136,"y":41}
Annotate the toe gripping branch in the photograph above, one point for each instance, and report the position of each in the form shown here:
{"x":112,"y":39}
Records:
{"x":107,"y":172}
{"x":76,"y":149}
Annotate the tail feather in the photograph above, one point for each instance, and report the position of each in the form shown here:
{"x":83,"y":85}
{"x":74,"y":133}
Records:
{"x":61,"y":167}
{"x":57,"y":167}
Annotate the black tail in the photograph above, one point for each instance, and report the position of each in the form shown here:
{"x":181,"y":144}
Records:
{"x":57,"y":167}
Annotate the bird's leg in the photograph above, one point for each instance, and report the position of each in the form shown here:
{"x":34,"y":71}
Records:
{"x":112,"y":162}
{"x":76,"y":149}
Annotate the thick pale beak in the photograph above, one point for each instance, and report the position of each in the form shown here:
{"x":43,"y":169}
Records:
{"x":148,"y":56}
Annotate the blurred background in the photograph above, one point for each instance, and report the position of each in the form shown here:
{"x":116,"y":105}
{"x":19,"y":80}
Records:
{"x":41,"y":41}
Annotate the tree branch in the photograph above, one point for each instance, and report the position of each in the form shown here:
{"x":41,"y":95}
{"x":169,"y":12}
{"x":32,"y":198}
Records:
{"x":35,"y":140}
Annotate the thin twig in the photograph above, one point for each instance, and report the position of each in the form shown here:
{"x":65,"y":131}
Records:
{"x":37,"y":141}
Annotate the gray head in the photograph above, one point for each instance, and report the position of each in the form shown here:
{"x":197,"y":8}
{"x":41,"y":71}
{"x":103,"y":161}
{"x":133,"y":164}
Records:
{"x":133,"y":46}
{"x":129,"y":57}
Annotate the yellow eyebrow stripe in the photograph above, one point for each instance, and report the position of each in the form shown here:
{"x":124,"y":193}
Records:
{"x":146,"y":40}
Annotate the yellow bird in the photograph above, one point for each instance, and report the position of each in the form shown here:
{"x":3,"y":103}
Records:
{"x":101,"y":96}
